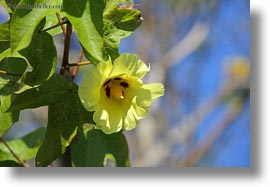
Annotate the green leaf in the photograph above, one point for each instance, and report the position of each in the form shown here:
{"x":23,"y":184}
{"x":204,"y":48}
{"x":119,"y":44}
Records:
{"x":112,"y":37}
{"x":4,"y":37}
{"x":5,"y":50}
{"x":25,"y":147}
{"x":119,"y":23}
{"x":8,"y":83}
{"x":4,"y":32}
{"x":9,"y":163}
{"x":124,"y":19}
{"x":42,"y":56}
{"x":63,"y":123}
{"x":66,"y":115}
{"x":7,"y":119}
{"x":25,"y":20}
{"x":94,"y":148}
{"x":87,"y":19}
{"x":111,"y":4}
{"x":47,"y":93}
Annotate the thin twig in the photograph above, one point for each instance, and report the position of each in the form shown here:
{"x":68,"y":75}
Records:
{"x":76,"y":69}
{"x":80,"y":64}
{"x":60,"y":21}
{"x":13,"y":154}
{"x":56,"y":25}
{"x":65,"y":63}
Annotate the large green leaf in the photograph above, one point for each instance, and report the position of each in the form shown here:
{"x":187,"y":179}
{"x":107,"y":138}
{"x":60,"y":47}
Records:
{"x":94,"y":148}
{"x":47,"y":93}
{"x":8,"y":83}
{"x":63,"y":123}
{"x":7,"y":119}
{"x":87,"y":19}
{"x":25,"y":147}
{"x":25,"y":19}
{"x":66,"y":115}
{"x":42,"y":56}
{"x":119,"y":23}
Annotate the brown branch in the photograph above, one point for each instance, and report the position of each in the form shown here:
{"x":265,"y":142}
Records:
{"x":2,"y":72}
{"x":65,"y":64}
{"x":13,"y":153}
{"x":60,"y":21}
{"x":76,"y":69}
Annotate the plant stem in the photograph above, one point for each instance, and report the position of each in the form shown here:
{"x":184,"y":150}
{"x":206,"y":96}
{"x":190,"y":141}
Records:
{"x":76,"y":69}
{"x":13,"y":154}
{"x":60,"y":21}
{"x":65,"y":64}
{"x":79,"y":64}
{"x":54,"y":26}
{"x":2,"y":72}
{"x":66,"y":158}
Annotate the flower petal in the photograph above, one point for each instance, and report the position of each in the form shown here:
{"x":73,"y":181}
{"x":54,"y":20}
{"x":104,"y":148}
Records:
{"x":147,"y":93}
{"x":133,"y":115}
{"x":89,"y":88}
{"x":108,"y":118}
{"x":156,"y":89}
{"x":130,"y":119}
{"x":105,"y":68}
{"x":129,"y":64}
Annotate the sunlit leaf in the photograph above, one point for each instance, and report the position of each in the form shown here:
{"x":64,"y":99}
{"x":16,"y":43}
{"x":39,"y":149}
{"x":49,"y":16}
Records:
{"x":8,"y":83}
{"x":7,"y":119}
{"x":25,"y":147}
{"x":119,"y":23}
{"x":124,"y":19}
{"x":86,"y":17}
{"x":4,"y":37}
{"x":42,"y":56}
{"x":25,"y":20}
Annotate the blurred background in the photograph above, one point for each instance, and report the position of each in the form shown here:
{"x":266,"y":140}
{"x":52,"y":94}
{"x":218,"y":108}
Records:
{"x":200,"y":51}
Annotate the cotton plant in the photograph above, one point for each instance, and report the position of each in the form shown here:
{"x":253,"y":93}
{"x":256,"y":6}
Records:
{"x":85,"y":122}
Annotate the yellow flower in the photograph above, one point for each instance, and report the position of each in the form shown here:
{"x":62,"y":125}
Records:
{"x":116,"y":93}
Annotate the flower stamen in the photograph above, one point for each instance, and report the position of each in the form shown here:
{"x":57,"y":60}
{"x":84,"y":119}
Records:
{"x":108,"y":91}
{"x":107,"y":82}
{"x":124,"y":84}
{"x":115,"y":88}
